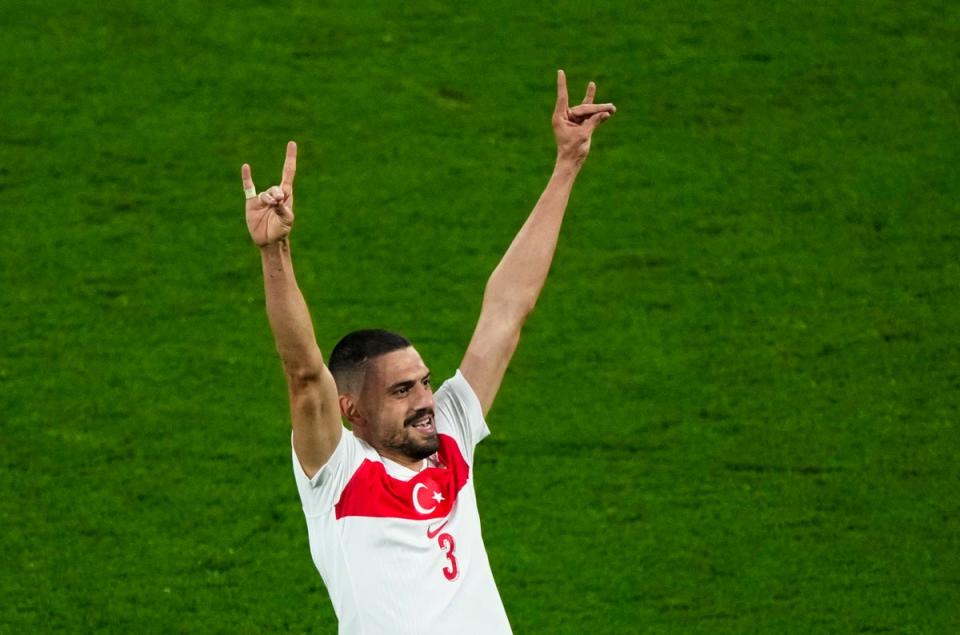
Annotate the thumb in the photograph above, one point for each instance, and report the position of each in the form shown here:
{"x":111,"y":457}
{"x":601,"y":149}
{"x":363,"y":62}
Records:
{"x":595,"y":120}
{"x":285,"y":210}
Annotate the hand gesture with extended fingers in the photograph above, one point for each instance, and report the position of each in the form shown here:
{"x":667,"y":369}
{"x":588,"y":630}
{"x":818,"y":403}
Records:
{"x":573,"y":127}
{"x":270,"y":213}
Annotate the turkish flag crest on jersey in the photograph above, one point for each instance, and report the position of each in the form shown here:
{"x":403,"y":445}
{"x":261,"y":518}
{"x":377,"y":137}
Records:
{"x":429,"y":494}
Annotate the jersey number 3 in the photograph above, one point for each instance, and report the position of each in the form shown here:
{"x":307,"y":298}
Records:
{"x":447,"y":545}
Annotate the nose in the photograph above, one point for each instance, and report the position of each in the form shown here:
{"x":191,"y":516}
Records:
{"x":424,"y":398}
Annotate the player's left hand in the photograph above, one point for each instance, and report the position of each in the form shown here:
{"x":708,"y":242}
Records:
{"x":573,"y":127}
{"x":270,"y":213}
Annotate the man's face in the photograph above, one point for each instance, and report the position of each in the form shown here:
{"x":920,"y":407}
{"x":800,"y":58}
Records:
{"x":396,"y":403}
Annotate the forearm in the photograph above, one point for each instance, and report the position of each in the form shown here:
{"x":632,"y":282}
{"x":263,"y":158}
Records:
{"x":288,"y":313}
{"x":518,"y":279}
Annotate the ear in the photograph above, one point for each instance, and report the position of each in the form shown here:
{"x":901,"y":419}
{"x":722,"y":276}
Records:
{"x":349,"y":410}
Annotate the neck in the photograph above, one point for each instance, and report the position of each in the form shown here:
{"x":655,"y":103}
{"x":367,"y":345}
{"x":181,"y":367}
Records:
{"x":403,"y":459}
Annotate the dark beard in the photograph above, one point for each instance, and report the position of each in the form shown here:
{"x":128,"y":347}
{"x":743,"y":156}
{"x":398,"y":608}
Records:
{"x":416,"y":449}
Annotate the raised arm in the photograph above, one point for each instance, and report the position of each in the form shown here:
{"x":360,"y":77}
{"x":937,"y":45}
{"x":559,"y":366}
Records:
{"x":313,"y":394}
{"x":515,"y":284}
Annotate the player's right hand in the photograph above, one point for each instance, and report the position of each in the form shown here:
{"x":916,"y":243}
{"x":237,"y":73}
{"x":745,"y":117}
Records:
{"x":573,"y":127}
{"x":270,"y":213}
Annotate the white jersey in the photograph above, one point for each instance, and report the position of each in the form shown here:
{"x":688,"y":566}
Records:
{"x":401,"y":551}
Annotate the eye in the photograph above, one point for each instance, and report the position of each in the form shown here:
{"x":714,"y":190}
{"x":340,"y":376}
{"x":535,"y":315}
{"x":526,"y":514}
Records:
{"x":426,"y":381}
{"x":403,"y":390}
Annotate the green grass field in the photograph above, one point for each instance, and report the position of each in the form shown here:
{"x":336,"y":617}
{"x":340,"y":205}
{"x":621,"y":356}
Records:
{"x":735,"y":409}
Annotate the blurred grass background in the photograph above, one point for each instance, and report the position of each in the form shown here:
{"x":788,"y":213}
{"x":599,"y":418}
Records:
{"x":735,"y":409}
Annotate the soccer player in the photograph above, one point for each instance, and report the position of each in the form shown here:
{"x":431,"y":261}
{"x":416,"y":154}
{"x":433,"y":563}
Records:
{"x":390,"y":504}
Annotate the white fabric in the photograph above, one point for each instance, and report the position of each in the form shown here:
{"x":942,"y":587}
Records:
{"x":390,"y":574}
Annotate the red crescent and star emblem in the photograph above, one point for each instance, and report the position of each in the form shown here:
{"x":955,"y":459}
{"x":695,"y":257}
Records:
{"x":426,"y":497}
{"x":430,"y":494}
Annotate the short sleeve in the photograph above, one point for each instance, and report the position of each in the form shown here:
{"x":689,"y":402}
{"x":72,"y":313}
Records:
{"x":460,"y":414}
{"x":320,"y":493}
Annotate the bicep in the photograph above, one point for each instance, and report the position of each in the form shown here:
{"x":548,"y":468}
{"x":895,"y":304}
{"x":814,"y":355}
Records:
{"x":315,"y":413}
{"x":488,"y":355}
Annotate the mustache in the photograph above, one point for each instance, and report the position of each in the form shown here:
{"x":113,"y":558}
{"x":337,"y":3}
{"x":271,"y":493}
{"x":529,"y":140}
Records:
{"x":417,"y":415}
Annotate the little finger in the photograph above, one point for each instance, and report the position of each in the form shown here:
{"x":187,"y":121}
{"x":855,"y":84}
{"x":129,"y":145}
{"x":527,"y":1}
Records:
{"x":591,"y":91}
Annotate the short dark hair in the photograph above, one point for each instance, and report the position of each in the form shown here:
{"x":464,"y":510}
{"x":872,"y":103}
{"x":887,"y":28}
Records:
{"x":354,"y":350}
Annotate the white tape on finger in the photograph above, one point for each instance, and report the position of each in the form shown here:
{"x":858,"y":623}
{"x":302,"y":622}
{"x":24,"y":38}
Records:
{"x":250,"y":192}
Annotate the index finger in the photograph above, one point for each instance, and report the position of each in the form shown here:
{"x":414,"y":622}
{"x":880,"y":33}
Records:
{"x":562,"y":99}
{"x":289,"y":165}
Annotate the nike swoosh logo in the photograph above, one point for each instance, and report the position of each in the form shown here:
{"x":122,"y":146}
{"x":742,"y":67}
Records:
{"x":432,"y":534}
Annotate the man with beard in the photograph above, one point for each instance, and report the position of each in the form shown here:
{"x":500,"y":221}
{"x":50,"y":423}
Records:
{"x":390,"y":505}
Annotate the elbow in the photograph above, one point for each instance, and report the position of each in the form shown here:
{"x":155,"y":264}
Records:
{"x":510,"y":297}
{"x":519,"y":306}
{"x":305,"y":374}
{"x":515,"y":301}
{"x":512,"y":309}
